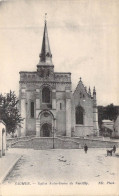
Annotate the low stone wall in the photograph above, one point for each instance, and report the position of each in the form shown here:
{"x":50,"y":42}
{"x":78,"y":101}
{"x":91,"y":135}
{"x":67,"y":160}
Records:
{"x":42,"y":143}
{"x":46,"y":143}
{"x":11,"y":141}
{"x":66,"y":144}
{"x":94,"y":143}
{"x":61,"y":143}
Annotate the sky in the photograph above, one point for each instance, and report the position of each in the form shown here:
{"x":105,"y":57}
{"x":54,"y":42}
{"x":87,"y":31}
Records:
{"x":83,"y":36}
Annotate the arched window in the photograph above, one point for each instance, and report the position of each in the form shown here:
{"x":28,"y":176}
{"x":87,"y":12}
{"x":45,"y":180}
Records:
{"x":46,"y":95}
{"x":60,"y":106}
{"x":79,"y":115}
{"x":32,"y":109}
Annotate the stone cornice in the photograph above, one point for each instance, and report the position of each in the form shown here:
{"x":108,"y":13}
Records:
{"x":62,"y":73}
{"x":35,"y":72}
{"x":45,"y":65}
{"x":25,"y":82}
{"x":29,"y":72}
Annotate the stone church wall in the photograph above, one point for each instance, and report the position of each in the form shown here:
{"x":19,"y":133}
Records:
{"x":61,"y":113}
{"x":61,"y":123}
{"x":82,"y":130}
{"x":30,"y":122}
{"x":83,"y":99}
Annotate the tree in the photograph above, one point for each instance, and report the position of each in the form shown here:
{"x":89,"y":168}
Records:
{"x":111,"y":112}
{"x":9,"y":112}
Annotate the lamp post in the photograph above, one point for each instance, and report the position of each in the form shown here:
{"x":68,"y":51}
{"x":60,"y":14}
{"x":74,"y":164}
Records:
{"x":53,"y":138}
{"x":0,"y":110}
{"x":53,"y":135}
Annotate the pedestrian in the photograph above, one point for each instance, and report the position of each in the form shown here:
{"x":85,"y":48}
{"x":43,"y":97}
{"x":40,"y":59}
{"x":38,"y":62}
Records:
{"x":85,"y":148}
{"x":114,"y":148}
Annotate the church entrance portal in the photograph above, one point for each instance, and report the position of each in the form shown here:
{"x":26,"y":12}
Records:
{"x":46,"y":130}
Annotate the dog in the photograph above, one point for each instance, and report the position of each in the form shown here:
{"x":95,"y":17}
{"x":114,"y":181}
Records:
{"x":109,"y":152}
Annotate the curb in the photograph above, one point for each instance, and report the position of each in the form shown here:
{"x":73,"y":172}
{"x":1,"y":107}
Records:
{"x":9,"y":170}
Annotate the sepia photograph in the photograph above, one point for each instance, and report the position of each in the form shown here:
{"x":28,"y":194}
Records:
{"x":59,"y":98}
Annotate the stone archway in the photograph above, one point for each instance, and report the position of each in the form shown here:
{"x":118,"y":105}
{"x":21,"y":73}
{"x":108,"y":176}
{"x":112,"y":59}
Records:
{"x":46,"y":130}
{"x":2,"y":138}
{"x":45,"y":124}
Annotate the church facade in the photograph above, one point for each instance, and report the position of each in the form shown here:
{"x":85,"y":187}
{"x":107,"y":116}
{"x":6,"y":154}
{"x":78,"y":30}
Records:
{"x":48,"y":105}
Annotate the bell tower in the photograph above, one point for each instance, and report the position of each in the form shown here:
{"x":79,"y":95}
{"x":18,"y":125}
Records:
{"x":45,"y":67}
{"x":95,"y":114}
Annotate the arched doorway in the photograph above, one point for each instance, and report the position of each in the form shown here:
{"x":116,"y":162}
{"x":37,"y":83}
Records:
{"x":46,"y":130}
{"x":45,"y":124}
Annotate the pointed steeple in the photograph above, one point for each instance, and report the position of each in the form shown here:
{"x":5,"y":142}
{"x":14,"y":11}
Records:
{"x":85,"y":88}
{"x":45,"y":55}
{"x":89,"y":91}
{"x":94,"y":93}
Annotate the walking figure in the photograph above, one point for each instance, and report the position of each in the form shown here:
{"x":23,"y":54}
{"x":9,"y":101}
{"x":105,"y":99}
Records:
{"x":114,"y":148}
{"x":85,"y":148}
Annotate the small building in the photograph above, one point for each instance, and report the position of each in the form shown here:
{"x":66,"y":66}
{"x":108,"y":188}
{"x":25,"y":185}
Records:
{"x":2,"y":138}
{"x":107,"y":128}
{"x":116,"y":128}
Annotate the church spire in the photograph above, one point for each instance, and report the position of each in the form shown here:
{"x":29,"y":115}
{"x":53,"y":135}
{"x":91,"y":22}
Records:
{"x":45,"y":55}
{"x":89,"y":91}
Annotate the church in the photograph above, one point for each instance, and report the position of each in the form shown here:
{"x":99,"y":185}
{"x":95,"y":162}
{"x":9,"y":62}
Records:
{"x":48,"y":105}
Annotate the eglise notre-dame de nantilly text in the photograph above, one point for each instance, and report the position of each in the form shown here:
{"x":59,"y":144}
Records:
{"x":48,"y":104}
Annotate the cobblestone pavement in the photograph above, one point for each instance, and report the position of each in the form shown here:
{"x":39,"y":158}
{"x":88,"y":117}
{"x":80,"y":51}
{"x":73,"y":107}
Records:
{"x":38,"y":166}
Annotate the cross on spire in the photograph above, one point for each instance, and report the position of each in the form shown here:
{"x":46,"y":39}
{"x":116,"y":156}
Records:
{"x":45,"y":17}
